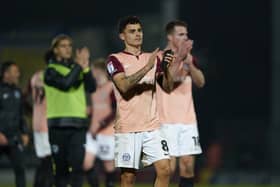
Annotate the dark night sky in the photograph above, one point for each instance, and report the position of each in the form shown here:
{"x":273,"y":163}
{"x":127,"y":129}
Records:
{"x":71,"y":12}
{"x":236,"y":34}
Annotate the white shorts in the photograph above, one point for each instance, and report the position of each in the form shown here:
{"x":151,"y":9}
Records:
{"x":148,"y":147}
{"x":102,"y":147}
{"x":182,"y":139}
{"x":42,"y":144}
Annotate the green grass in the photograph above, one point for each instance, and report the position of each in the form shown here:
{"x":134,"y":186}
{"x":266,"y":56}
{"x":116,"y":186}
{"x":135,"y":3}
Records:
{"x":173,"y":185}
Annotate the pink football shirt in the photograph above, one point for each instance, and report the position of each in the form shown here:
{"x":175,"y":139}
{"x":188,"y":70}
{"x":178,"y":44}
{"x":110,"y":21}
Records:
{"x":177,"y":106}
{"x":137,"y":110}
{"x":101,"y":106}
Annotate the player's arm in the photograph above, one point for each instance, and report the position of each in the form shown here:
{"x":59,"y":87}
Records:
{"x":23,"y":125}
{"x":82,"y":58}
{"x":196,"y":74}
{"x":62,"y":82}
{"x":105,"y":122}
{"x":89,"y":81}
{"x":171,"y":63}
{"x":3,"y":138}
{"x":108,"y":119}
{"x":167,"y":83}
{"x":37,"y":87}
{"x":125,"y":83}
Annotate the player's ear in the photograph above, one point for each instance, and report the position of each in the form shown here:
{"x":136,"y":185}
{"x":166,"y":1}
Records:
{"x":55,"y":50}
{"x":169,"y":37}
{"x":121,"y":35}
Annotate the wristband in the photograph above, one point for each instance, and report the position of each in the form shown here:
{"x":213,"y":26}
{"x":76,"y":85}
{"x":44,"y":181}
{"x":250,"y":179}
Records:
{"x":86,"y":70}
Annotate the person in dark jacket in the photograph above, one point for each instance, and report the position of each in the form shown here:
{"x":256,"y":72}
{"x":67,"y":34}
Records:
{"x":65,"y":82}
{"x":13,"y":129}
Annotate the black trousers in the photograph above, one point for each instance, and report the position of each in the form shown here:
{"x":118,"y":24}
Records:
{"x":68,"y":152}
{"x":43,"y":173}
{"x":16,"y":156}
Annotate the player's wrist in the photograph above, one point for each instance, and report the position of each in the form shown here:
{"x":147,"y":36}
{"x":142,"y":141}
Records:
{"x":102,"y":123}
{"x":86,"y":69}
{"x":148,"y":67}
{"x":184,"y":58}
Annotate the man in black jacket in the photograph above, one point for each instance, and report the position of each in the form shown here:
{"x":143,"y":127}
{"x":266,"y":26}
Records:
{"x":13,"y":129}
{"x":65,"y":83}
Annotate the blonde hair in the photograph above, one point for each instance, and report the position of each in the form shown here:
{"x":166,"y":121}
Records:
{"x":59,"y":38}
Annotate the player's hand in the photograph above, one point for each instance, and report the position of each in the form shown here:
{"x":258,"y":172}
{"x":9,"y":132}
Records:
{"x":94,"y":128}
{"x":92,"y":133}
{"x":25,"y":139}
{"x":82,"y":57}
{"x":189,"y":59}
{"x":3,"y":139}
{"x":152,"y":58}
{"x":168,"y":58}
{"x":89,"y":111}
{"x":184,"y":49}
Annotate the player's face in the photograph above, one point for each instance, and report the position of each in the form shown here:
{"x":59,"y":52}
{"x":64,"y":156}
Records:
{"x":179,"y":34}
{"x":100,"y":76}
{"x":63,"y":50}
{"x":132,"y":35}
{"x":13,"y":74}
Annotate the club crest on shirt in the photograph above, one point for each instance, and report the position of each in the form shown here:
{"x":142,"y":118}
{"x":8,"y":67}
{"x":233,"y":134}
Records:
{"x":55,"y":148}
{"x":110,"y":67}
{"x":5,"y":96}
{"x":17,"y":94}
{"x":126,"y":157}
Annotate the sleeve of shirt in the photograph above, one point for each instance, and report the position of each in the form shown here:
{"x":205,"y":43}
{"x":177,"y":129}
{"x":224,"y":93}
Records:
{"x":59,"y":81}
{"x":107,"y":120}
{"x":90,"y":82}
{"x":114,"y":66}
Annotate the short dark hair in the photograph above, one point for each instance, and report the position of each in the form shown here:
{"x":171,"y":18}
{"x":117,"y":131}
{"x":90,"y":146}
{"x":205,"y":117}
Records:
{"x":169,"y":28}
{"x":123,"y":22}
{"x":5,"y":66}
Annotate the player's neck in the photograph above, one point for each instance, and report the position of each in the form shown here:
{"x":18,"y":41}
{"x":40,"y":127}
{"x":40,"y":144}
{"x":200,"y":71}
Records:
{"x":60,"y":59}
{"x":170,"y":46}
{"x":135,"y":50}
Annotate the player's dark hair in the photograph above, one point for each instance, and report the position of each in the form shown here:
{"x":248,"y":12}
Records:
{"x":5,"y":66}
{"x":123,"y":22}
{"x":169,"y":28}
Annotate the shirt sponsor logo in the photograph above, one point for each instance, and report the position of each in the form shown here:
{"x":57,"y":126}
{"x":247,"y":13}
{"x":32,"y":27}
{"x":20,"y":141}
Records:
{"x":5,"y":96}
{"x":55,"y":149}
{"x":17,"y":94}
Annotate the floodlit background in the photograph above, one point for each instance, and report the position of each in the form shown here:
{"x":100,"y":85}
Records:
{"x":237,"y":43}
